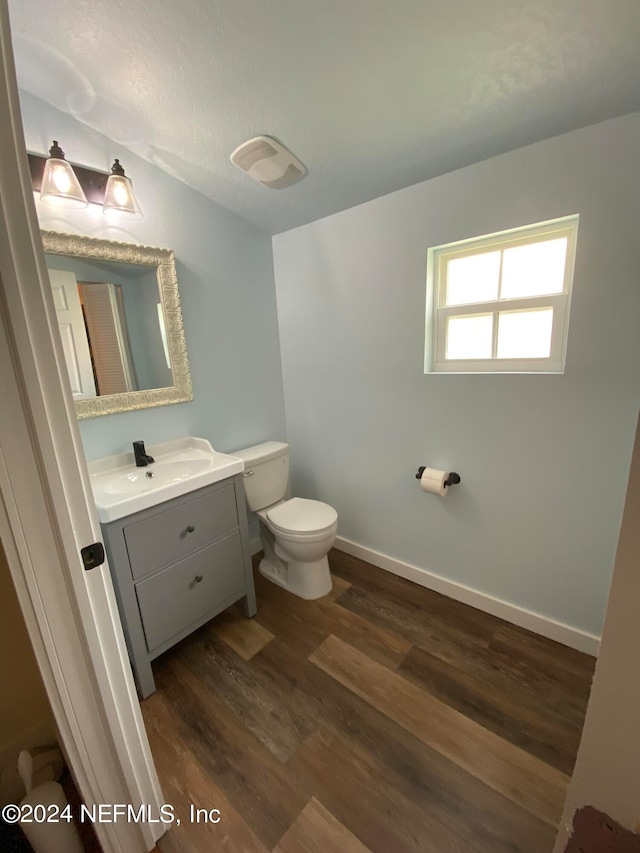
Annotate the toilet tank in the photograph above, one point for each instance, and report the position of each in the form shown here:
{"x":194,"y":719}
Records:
{"x":266,"y":473}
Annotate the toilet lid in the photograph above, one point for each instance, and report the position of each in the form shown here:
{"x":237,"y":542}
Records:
{"x":300,"y":515}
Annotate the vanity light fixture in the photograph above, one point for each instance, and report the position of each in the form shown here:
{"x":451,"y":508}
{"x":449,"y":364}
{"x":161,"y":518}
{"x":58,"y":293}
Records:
{"x":68,"y":186}
{"x":60,"y":186}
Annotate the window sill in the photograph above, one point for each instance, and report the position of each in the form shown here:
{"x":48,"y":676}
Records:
{"x":530,"y":367}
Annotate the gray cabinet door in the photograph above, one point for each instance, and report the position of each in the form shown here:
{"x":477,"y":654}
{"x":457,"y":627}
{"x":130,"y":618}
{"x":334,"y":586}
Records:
{"x":180,"y":530}
{"x":175,"y":566}
{"x":175,"y":598}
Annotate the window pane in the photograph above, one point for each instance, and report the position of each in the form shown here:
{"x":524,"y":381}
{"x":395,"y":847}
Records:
{"x":534,"y":270}
{"x":469,"y":337}
{"x":525,"y":334}
{"x":473,"y":278}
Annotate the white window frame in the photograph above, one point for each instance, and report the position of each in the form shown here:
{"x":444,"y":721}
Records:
{"x":438,"y":313}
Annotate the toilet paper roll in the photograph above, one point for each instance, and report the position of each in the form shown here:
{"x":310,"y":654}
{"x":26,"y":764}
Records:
{"x":433,"y":482}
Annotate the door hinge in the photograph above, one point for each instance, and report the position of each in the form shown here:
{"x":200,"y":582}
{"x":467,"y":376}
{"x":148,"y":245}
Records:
{"x":92,"y":555}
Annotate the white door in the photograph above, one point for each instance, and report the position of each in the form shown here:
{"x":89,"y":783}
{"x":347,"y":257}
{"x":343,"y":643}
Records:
{"x":73,"y":333}
{"x":46,"y":517}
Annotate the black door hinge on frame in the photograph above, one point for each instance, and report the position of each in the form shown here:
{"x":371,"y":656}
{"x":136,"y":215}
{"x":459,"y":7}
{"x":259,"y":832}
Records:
{"x":92,"y":555}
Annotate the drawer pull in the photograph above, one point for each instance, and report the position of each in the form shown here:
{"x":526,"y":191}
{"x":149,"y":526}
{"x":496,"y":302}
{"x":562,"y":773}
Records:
{"x":249,"y":473}
{"x":190,"y":528}
{"x":198,"y":578}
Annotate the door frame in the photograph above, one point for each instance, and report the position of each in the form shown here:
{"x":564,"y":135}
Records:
{"x":47,"y":515}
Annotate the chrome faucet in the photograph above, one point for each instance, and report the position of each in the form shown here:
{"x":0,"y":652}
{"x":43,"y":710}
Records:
{"x":141,"y":456}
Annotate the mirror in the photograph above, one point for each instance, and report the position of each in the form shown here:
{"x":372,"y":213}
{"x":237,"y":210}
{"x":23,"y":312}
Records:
{"x":118,"y":312}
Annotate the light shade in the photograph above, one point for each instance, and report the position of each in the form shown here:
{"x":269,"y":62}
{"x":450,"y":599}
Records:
{"x":60,"y":186}
{"x":119,"y":197}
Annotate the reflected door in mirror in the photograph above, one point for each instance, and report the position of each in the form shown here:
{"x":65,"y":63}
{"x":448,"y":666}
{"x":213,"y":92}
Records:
{"x":109,"y":345}
{"x":124,"y":322}
{"x":73,"y":334}
{"x":94,"y":336}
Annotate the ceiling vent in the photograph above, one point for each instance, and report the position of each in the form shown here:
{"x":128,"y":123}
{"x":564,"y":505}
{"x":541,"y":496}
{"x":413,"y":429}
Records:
{"x":268,"y":162}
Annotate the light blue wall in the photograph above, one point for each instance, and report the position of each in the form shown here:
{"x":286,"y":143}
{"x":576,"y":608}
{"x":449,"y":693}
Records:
{"x":146,"y":339}
{"x":225,"y":275}
{"x":543,"y":459}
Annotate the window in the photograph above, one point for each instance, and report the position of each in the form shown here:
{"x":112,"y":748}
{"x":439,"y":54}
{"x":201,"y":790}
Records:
{"x":500,"y":303}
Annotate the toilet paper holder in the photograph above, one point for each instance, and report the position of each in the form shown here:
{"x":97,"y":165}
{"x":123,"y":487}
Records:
{"x":452,"y":480}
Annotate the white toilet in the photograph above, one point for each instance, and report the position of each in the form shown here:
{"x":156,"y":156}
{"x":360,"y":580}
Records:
{"x":296,"y":533}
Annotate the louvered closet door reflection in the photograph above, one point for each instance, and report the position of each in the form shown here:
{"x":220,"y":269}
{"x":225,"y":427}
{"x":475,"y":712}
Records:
{"x":108,"y":337}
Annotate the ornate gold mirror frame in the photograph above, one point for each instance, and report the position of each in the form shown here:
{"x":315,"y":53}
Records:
{"x":164,"y":261}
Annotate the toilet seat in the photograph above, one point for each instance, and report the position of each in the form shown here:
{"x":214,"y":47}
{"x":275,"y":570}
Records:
{"x":300,"y":516}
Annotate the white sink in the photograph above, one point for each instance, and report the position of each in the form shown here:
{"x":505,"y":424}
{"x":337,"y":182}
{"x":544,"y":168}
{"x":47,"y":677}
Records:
{"x":181,"y":466}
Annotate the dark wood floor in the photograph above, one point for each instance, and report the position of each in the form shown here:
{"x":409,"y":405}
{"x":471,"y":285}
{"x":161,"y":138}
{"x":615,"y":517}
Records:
{"x":382,"y":718}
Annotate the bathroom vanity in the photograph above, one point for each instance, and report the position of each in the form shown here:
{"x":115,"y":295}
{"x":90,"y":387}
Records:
{"x":178,"y":562}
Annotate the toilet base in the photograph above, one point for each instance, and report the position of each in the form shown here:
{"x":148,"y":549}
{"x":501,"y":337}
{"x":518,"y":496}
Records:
{"x":306,"y":580}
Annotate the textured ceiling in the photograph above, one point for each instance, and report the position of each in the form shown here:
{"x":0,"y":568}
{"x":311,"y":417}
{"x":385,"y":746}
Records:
{"x":371,"y":95}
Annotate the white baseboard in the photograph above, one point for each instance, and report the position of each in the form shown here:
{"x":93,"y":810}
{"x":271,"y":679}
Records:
{"x":536,"y":622}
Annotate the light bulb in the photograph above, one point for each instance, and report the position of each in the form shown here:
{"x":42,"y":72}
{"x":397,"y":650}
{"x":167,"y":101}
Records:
{"x":60,"y":186}
{"x":61,"y":178}
{"x":119,"y":196}
{"x":121,"y":192}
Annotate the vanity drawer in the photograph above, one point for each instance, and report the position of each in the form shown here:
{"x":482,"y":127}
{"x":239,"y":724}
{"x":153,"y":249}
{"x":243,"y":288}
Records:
{"x":172,"y":600}
{"x":172,"y":535}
